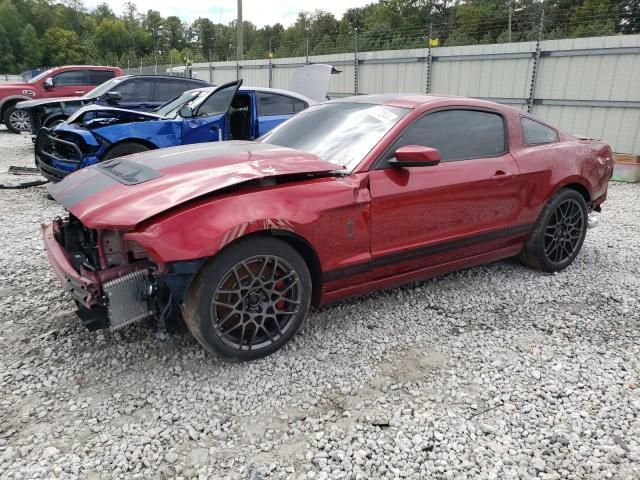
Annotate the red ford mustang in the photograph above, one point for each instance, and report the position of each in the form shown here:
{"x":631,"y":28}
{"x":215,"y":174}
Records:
{"x":346,"y":197}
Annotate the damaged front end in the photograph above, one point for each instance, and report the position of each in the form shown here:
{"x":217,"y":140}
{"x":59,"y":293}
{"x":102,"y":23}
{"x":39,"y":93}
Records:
{"x":112,"y":281}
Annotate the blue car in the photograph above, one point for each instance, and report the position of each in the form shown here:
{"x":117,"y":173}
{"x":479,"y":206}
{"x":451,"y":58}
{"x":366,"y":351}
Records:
{"x":135,"y":92}
{"x":229,"y":112}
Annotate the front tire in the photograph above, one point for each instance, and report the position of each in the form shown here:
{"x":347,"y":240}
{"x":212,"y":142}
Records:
{"x":17,"y":120}
{"x":122,"y":149}
{"x":250,"y":299}
{"x":558,"y":234}
{"x":54,"y":122}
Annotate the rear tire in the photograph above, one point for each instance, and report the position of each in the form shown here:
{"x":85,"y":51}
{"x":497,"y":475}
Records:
{"x":558,"y":234}
{"x":126,"y":148}
{"x":17,"y":120}
{"x":250,"y":299}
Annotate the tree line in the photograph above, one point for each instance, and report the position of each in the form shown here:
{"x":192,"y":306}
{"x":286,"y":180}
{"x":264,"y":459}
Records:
{"x":35,"y":33}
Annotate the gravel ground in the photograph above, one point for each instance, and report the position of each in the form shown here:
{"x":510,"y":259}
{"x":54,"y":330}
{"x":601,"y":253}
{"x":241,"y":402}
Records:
{"x":493,"y":372}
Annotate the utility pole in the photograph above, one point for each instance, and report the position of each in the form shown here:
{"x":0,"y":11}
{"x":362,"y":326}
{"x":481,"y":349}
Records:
{"x":240,"y":28}
{"x":536,"y":65}
{"x":356,"y":62}
{"x":270,"y":65}
{"x":306,"y":34}
{"x":510,"y":14}
{"x":429,"y":58}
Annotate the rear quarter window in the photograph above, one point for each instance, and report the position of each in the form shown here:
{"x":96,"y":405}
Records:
{"x":535,"y":133}
{"x":166,"y":89}
{"x":274,"y":104}
{"x":135,"y":90}
{"x":98,"y":77}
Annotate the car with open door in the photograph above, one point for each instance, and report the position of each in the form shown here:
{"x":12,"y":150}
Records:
{"x":133,"y":92}
{"x":346,"y":197}
{"x":228,"y":112}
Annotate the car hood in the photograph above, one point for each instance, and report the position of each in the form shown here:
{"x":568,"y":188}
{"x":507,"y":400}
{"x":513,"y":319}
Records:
{"x":45,"y":101}
{"x":121,"y":193}
{"x":15,"y":88}
{"x":109,"y":116}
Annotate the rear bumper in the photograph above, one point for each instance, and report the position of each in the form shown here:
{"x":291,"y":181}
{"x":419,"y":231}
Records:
{"x":84,"y":289}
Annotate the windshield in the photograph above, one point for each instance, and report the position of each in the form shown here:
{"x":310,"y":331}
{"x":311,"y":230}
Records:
{"x":40,"y":76}
{"x":191,"y":99}
{"x":341,"y":133}
{"x":104,"y":87}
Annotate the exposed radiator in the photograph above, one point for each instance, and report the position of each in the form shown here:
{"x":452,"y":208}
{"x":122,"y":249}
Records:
{"x":128,"y":299}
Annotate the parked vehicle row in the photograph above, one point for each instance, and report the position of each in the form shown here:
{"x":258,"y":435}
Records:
{"x":241,"y":237}
{"x":137,"y":92}
{"x":67,"y":81}
{"x":97,"y":132}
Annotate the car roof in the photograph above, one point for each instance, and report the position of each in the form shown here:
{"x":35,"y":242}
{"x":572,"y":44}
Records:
{"x":288,"y":93}
{"x":91,"y":67}
{"x":412,"y":100}
{"x":173,"y":77}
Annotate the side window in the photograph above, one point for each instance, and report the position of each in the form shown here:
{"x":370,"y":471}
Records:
{"x":535,"y":133}
{"x":218,"y":102}
{"x":75,"y":77}
{"x":457,"y":134}
{"x":135,"y":90}
{"x":167,"y":89}
{"x":299,"y":105}
{"x":273,"y":104}
{"x":97,"y":77}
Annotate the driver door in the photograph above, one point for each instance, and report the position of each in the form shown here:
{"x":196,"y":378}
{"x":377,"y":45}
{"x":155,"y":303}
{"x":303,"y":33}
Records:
{"x":210,"y":120}
{"x":467,"y":205}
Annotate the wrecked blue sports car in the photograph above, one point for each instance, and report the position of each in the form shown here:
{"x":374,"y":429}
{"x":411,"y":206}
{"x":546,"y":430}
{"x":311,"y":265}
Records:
{"x":229,"y":112}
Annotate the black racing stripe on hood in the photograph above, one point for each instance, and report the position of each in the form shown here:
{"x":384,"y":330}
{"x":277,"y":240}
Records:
{"x":171,"y":156}
{"x":69,"y":197}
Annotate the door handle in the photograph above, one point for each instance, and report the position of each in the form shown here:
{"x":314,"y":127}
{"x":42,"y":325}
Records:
{"x":501,"y":176}
{"x":80,"y":92}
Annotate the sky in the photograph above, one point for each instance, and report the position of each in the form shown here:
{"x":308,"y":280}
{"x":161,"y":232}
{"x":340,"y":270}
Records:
{"x":258,"y":12}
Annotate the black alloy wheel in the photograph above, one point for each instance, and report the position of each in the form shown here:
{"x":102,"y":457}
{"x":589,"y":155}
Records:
{"x":558,"y":234}
{"x":255,"y":303}
{"x":249,"y":299}
{"x":563,"y":234}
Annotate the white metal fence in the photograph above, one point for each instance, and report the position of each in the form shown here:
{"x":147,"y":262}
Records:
{"x":10,"y":78}
{"x":587,"y":86}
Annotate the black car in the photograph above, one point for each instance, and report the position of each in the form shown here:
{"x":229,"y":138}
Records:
{"x":133,"y":92}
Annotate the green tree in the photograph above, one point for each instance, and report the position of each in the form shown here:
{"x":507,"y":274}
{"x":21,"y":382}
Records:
{"x":62,"y":47}
{"x":174,"y":31}
{"x":30,"y":48}
{"x":7,"y":64}
{"x":153,"y":23}
{"x":594,"y":18}
{"x":112,"y":36}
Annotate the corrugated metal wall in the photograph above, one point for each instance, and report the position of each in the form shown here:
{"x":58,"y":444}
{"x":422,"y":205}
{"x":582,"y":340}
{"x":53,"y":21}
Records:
{"x":587,"y":86}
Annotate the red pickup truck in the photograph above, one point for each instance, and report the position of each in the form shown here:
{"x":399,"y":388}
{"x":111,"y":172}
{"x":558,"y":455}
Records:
{"x":69,"y":81}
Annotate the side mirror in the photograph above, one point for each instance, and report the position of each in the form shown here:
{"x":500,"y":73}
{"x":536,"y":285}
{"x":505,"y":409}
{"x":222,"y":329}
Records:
{"x":48,"y":83}
{"x":186,"y":112}
{"x":415,"y":156}
{"x":113,"y":97}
